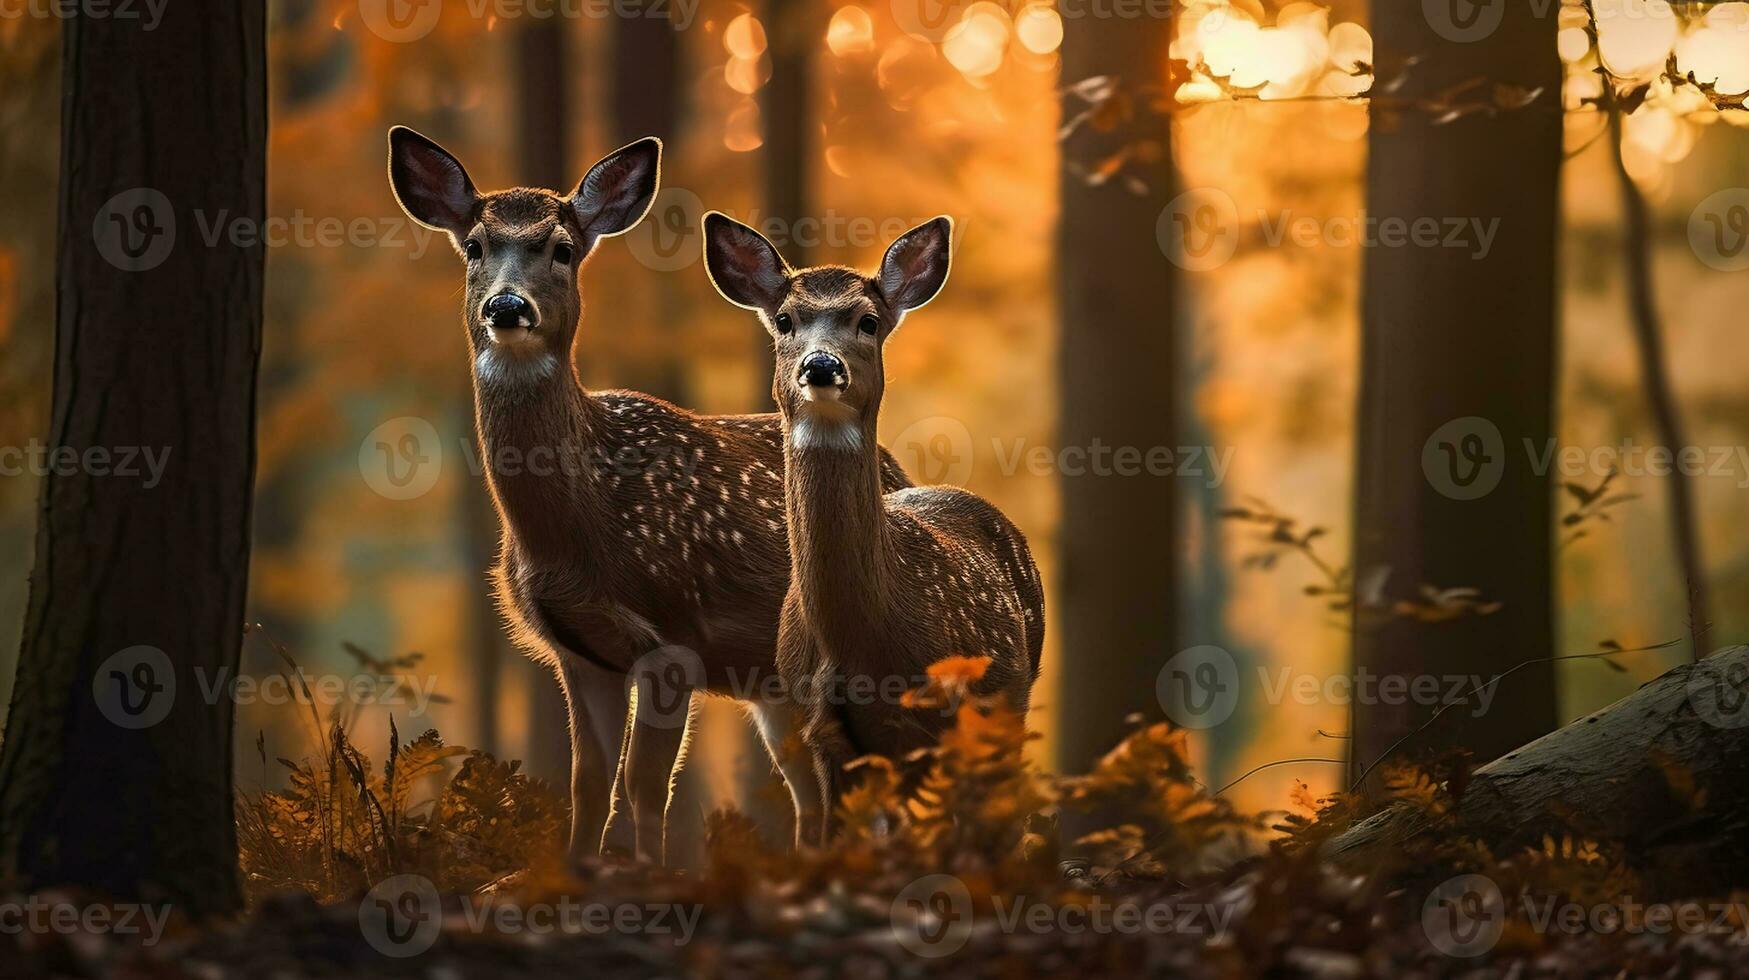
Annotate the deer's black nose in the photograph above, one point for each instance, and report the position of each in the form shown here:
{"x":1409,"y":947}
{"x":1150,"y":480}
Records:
{"x":508,"y":310}
{"x":822,"y":370}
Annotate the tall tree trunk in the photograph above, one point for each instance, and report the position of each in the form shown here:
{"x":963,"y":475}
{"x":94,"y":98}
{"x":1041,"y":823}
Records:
{"x":544,"y":135}
{"x":1116,"y":614}
{"x":786,"y":110}
{"x":647,"y":102}
{"x":1457,"y":377}
{"x":116,"y":769}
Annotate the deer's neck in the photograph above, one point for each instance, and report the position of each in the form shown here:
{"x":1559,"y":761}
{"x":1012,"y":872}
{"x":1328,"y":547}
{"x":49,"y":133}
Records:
{"x":539,"y":437}
{"x":837,"y":529}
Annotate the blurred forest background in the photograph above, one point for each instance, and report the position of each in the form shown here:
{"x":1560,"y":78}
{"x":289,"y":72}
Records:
{"x":832,"y":110}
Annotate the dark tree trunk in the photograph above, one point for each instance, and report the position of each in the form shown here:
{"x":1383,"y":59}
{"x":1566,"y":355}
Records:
{"x":647,"y":102}
{"x":116,"y":769}
{"x":786,"y":109}
{"x":544,"y":136}
{"x":1457,"y":379}
{"x":1664,"y":770}
{"x":1116,"y":617}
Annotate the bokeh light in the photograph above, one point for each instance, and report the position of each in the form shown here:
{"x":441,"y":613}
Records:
{"x":851,"y":32}
{"x":977,"y":43}
{"x":744,"y":38}
{"x":1634,"y":37}
{"x":1039,"y":28}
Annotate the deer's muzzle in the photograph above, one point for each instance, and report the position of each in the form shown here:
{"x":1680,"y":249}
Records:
{"x":822,"y":375}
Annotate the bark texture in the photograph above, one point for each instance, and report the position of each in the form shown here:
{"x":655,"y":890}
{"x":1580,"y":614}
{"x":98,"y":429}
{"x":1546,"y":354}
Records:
{"x":1457,"y":370}
{"x":1116,"y":616}
{"x":115,"y":774}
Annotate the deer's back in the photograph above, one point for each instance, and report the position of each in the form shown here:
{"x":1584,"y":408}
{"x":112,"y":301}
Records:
{"x":687,"y":545}
{"x":967,"y":567}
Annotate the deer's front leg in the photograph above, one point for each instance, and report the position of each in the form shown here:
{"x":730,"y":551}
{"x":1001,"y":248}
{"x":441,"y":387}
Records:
{"x":594,"y":700}
{"x":607,"y":703}
{"x":780,"y":722}
{"x":655,"y":742}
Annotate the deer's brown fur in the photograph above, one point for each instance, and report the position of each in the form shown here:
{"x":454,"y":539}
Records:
{"x":631,"y":526}
{"x":883,"y":583}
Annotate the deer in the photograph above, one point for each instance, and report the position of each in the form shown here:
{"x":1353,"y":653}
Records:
{"x":883,"y":582}
{"x":643,"y":546}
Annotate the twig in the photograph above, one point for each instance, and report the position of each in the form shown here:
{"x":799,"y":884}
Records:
{"x":1496,"y":679}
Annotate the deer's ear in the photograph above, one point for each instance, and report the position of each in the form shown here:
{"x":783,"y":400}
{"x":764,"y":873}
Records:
{"x":617,"y":192}
{"x":743,"y":264}
{"x":916,"y":265}
{"x":430,"y":183}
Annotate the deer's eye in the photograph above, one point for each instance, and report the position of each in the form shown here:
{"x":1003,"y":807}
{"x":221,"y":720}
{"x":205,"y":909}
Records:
{"x":870,"y":324}
{"x":472,"y":250}
{"x":784,"y":323}
{"x":563,"y":253}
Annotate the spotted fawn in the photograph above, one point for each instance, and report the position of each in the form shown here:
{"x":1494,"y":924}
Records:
{"x":884,"y":583}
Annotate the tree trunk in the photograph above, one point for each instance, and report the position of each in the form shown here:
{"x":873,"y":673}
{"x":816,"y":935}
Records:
{"x":1116,"y":617}
{"x":116,"y":769}
{"x":545,"y":118}
{"x":786,"y":109}
{"x":1457,"y":377}
{"x":1664,"y":770}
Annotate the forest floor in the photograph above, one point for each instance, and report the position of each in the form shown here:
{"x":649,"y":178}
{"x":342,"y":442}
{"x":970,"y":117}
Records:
{"x":950,"y":863}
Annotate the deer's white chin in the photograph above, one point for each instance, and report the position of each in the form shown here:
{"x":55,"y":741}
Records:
{"x":507,"y":365}
{"x":826,"y":425}
{"x":821,"y":393}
